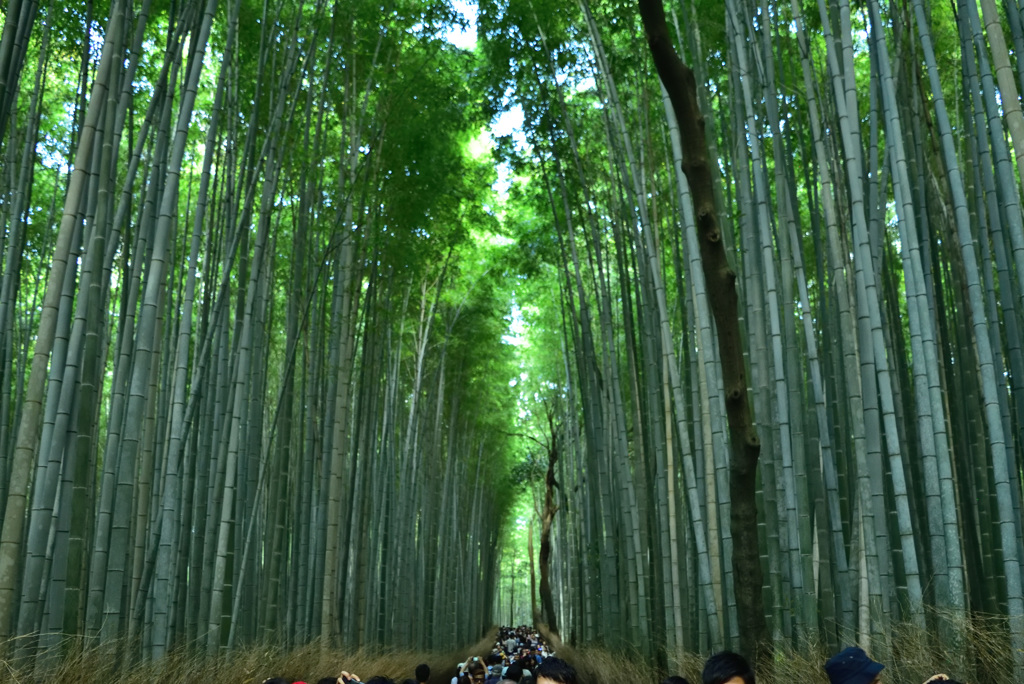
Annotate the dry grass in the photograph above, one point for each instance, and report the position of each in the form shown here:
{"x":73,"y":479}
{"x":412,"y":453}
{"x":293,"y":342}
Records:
{"x":984,"y":658}
{"x":976,"y":650}
{"x":250,"y":665}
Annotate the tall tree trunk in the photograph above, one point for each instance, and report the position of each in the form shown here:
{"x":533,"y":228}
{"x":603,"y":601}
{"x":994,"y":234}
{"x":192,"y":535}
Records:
{"x":745,"y":446}
{"x":547,"y":600}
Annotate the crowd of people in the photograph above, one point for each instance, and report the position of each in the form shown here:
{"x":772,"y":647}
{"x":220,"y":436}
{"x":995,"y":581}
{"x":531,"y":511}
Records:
{"x":422,"y":676}
{"x":520,"y":656}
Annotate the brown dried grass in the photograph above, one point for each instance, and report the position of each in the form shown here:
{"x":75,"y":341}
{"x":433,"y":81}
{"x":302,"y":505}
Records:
{"x":249,"y":665}
{"x":982,"y":656}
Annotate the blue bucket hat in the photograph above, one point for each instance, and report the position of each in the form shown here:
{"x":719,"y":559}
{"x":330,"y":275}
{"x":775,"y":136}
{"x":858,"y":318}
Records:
{"x":852,"y":666}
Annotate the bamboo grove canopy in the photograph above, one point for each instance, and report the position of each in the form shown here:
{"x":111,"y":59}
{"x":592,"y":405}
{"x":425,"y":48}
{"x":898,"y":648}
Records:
{"x":261,"y":261}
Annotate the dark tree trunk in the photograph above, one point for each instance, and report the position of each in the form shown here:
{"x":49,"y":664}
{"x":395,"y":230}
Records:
{"x":681,"y":85}
{"x":533,"y":577}
{"x":547,"y":599}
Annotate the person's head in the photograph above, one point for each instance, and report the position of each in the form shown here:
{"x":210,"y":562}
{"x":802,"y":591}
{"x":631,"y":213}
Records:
{"x":675,"y":679}
{"x":476,"y":671}
{"x":514,"y":672}
{"x":852,"y":666}
{"x":276,"y":680}
{"x":329,"y":680}
{"x":422,"y":672}
{"x":727,"y":668}
{"x":555,"y":671}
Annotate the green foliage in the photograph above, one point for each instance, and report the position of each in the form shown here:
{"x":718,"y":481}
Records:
{"x":530,"y":470}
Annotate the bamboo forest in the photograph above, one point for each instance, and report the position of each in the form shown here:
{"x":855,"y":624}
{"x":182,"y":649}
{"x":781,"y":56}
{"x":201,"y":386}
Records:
{"x":671,"y":326}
